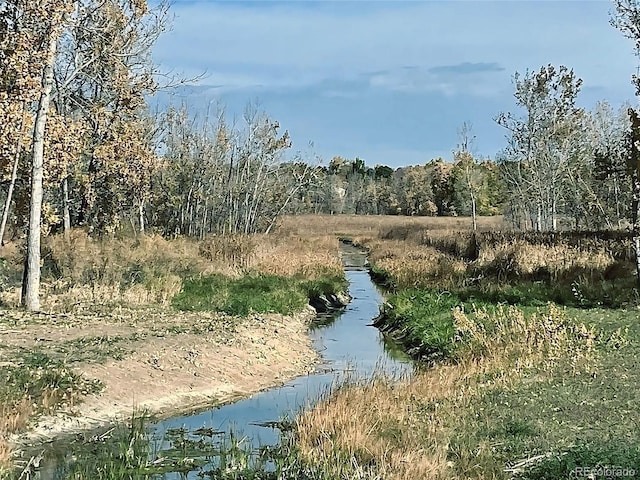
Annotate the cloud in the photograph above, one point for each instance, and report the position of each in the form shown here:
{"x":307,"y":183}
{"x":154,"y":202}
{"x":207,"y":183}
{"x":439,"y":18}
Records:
{"x":350,"y":73}
{"x":264,"y":45}
{"x":464,"y":78}
{"x":466,"y":68}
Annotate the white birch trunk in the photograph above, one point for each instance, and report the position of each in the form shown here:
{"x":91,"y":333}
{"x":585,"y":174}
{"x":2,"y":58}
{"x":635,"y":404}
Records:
{"x":31,"y":286}
{"x":14,"y":176}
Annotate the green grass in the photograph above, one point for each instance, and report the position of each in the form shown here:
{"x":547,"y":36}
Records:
{"x":44,"y":380}
{"x":421,"y":322}
{"x":550,"y":421}
{"x":253,"y":293}
{"x":566,"y":420}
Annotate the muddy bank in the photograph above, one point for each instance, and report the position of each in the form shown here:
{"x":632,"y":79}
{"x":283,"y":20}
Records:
{"x":166,"y":362}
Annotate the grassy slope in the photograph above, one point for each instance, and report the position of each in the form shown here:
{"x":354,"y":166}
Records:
{"x":492,"y":409}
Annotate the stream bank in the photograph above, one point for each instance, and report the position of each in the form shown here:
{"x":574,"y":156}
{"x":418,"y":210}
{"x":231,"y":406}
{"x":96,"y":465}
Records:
{"x":347,"y":346}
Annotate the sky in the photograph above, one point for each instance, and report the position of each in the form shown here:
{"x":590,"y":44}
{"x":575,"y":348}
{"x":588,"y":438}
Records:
{"x":392,"y":81}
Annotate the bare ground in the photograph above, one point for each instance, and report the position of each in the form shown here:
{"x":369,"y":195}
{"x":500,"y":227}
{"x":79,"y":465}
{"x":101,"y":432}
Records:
{"x":158,"y":360}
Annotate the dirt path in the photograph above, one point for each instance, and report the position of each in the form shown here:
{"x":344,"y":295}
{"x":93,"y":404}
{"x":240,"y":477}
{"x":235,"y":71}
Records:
{"x":159,"y":360}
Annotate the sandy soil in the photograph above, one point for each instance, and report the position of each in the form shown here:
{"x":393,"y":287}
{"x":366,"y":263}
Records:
{"x":161,"y":361}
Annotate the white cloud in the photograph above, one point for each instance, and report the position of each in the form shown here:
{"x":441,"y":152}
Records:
{"x":286,"y":44}
{"x":352,"y":74}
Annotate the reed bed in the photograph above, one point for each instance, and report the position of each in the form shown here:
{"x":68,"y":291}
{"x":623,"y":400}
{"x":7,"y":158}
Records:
{"x":372,"y":225}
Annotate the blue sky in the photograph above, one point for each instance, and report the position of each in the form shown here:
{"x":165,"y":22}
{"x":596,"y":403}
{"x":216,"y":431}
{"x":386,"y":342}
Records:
{"x":389,"y":81}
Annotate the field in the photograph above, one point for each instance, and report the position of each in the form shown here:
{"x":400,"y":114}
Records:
{"x":529,"y":343}
{"x":371,"y":225}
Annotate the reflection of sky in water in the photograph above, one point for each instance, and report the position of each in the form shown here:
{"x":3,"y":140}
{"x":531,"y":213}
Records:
{"x":349,"y":346}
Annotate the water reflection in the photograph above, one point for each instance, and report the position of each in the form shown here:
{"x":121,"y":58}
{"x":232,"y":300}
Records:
{"x":350,"y":348}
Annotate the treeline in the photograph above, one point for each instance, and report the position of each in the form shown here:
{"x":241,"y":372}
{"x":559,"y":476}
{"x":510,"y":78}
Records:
{"x":105,"y":163}
{"x":80,"y":148}
{"x":437,"y":188}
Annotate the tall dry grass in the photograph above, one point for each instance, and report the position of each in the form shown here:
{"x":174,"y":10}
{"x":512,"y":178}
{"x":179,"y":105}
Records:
{"x":372,"y":225}
{"x":414,"y":257}
{"x":150,"y":269}
{"x":405,"y":430}
{"x":311,"y":257}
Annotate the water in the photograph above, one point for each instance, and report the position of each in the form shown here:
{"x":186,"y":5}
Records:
{"x":349,"y":347}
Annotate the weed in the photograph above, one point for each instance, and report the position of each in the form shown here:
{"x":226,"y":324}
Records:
{"x":257,"y":293}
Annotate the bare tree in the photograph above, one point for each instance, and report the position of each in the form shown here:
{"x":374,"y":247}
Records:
{"x":543,"y":144}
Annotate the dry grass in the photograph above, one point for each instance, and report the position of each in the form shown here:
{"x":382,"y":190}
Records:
{"x":12,"y":419}
{"x":372,"y":225}
{"x":451,"y":260}
{"x":99,"y":277}
{"x":413,"y":265}
{"x":309,"y":257}
{"x":150,"y":270}
{"x":405,"y":430}
{"x":521,"y":259}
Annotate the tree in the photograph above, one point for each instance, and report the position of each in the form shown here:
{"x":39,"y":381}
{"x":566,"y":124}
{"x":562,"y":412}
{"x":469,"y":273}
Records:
{"x":634,"y":170}
{"x":627,"y":20}
{"x":53,"y":14}
{"x":466,"y":165}
{"x":543,"y":144}
{"x":89,"y":57}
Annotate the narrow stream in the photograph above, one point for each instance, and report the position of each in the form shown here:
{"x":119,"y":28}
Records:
{"x":350,"y":348}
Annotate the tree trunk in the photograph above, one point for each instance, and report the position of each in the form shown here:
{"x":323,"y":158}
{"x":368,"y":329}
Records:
{"x":66,"y":216}
{"x":31,"y":286}
{"x":14,"y":175}
{"x":473,"y":213}
{"x":634,"y":164}
{"x":141,"y":216}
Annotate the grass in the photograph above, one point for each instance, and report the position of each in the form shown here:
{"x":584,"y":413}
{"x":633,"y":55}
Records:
{"x":260,"y":294}
{"x":46,"y":383}
{"x":33,"y":384}
{"x":151,"y":270}
{"x":372,"y":225}
{"x":517,"y":387}
{"x":421,"y":322}
{"x":569,"y":269}
{"x":88,"y":278}
{"x":524,"y":386}
{"x":253,"y":293}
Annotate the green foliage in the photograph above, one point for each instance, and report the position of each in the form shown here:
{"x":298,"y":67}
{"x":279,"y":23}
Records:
{"x":257,"y":293}
{"x":421,"y":321}
{"x":252,"y":293}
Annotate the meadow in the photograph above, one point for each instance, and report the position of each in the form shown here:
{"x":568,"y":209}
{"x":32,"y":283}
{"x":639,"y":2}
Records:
{"x":527,"y":343}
